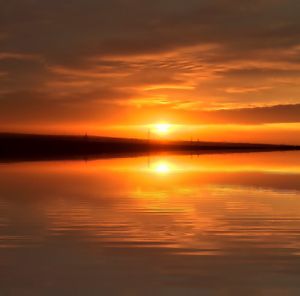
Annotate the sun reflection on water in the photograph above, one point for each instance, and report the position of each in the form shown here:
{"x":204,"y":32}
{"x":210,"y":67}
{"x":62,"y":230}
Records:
{"x":161,"y":217}
{"x":162,"y":168}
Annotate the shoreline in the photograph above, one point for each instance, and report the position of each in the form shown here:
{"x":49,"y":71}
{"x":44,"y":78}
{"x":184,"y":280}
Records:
{"x":22,"y":147}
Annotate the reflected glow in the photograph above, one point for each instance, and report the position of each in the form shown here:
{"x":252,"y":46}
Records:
{"x":162,"y":168}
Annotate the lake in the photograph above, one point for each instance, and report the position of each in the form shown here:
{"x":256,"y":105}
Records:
{"x":215,"y":224}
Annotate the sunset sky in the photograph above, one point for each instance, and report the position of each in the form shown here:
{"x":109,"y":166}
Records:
{"x":213,"y":70}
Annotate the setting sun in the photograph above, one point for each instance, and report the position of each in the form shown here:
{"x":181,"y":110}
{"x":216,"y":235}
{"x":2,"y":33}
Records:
{"x":162,"y":128}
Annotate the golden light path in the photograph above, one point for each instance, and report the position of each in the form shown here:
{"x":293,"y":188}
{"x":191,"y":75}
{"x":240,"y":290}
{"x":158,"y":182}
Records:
{"x":162,"y":168}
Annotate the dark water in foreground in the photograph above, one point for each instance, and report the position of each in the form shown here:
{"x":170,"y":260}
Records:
{"x":209,"y":225}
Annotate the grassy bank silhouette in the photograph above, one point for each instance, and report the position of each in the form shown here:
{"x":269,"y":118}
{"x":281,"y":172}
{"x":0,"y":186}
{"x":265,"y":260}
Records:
{"x":35,"y":147}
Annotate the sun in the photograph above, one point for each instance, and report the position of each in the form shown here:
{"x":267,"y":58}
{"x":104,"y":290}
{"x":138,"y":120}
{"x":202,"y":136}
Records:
{"x":162,"y":128}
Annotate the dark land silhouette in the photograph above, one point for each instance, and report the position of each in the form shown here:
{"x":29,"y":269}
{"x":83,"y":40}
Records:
{"x":14,"y":147}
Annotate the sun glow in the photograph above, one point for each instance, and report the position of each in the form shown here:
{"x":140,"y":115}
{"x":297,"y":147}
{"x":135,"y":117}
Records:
{"x":162,"y":128}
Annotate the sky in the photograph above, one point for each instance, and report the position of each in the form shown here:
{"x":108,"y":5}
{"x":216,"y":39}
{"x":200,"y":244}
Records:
{"x":214,"y":70}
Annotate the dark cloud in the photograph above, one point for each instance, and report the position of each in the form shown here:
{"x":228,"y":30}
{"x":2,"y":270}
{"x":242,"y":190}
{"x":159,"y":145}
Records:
{"x":70,"y":30}
{"x":259,"y":115}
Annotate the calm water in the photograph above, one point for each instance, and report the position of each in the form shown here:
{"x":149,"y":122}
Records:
{"x":166,"y":225}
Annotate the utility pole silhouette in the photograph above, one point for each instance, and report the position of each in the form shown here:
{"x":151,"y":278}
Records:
{"x":149,"y":134}
{"x":149,"y":156}
{"x":85,"y":147}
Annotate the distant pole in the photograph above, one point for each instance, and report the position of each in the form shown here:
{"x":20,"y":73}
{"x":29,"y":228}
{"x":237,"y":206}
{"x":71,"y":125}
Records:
{"x":85,"y":146}
{"x":149,"y":134}
{"x":149,"y":138}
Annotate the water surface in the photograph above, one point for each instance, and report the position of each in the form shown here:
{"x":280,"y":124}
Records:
{"x":226,"y":224}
